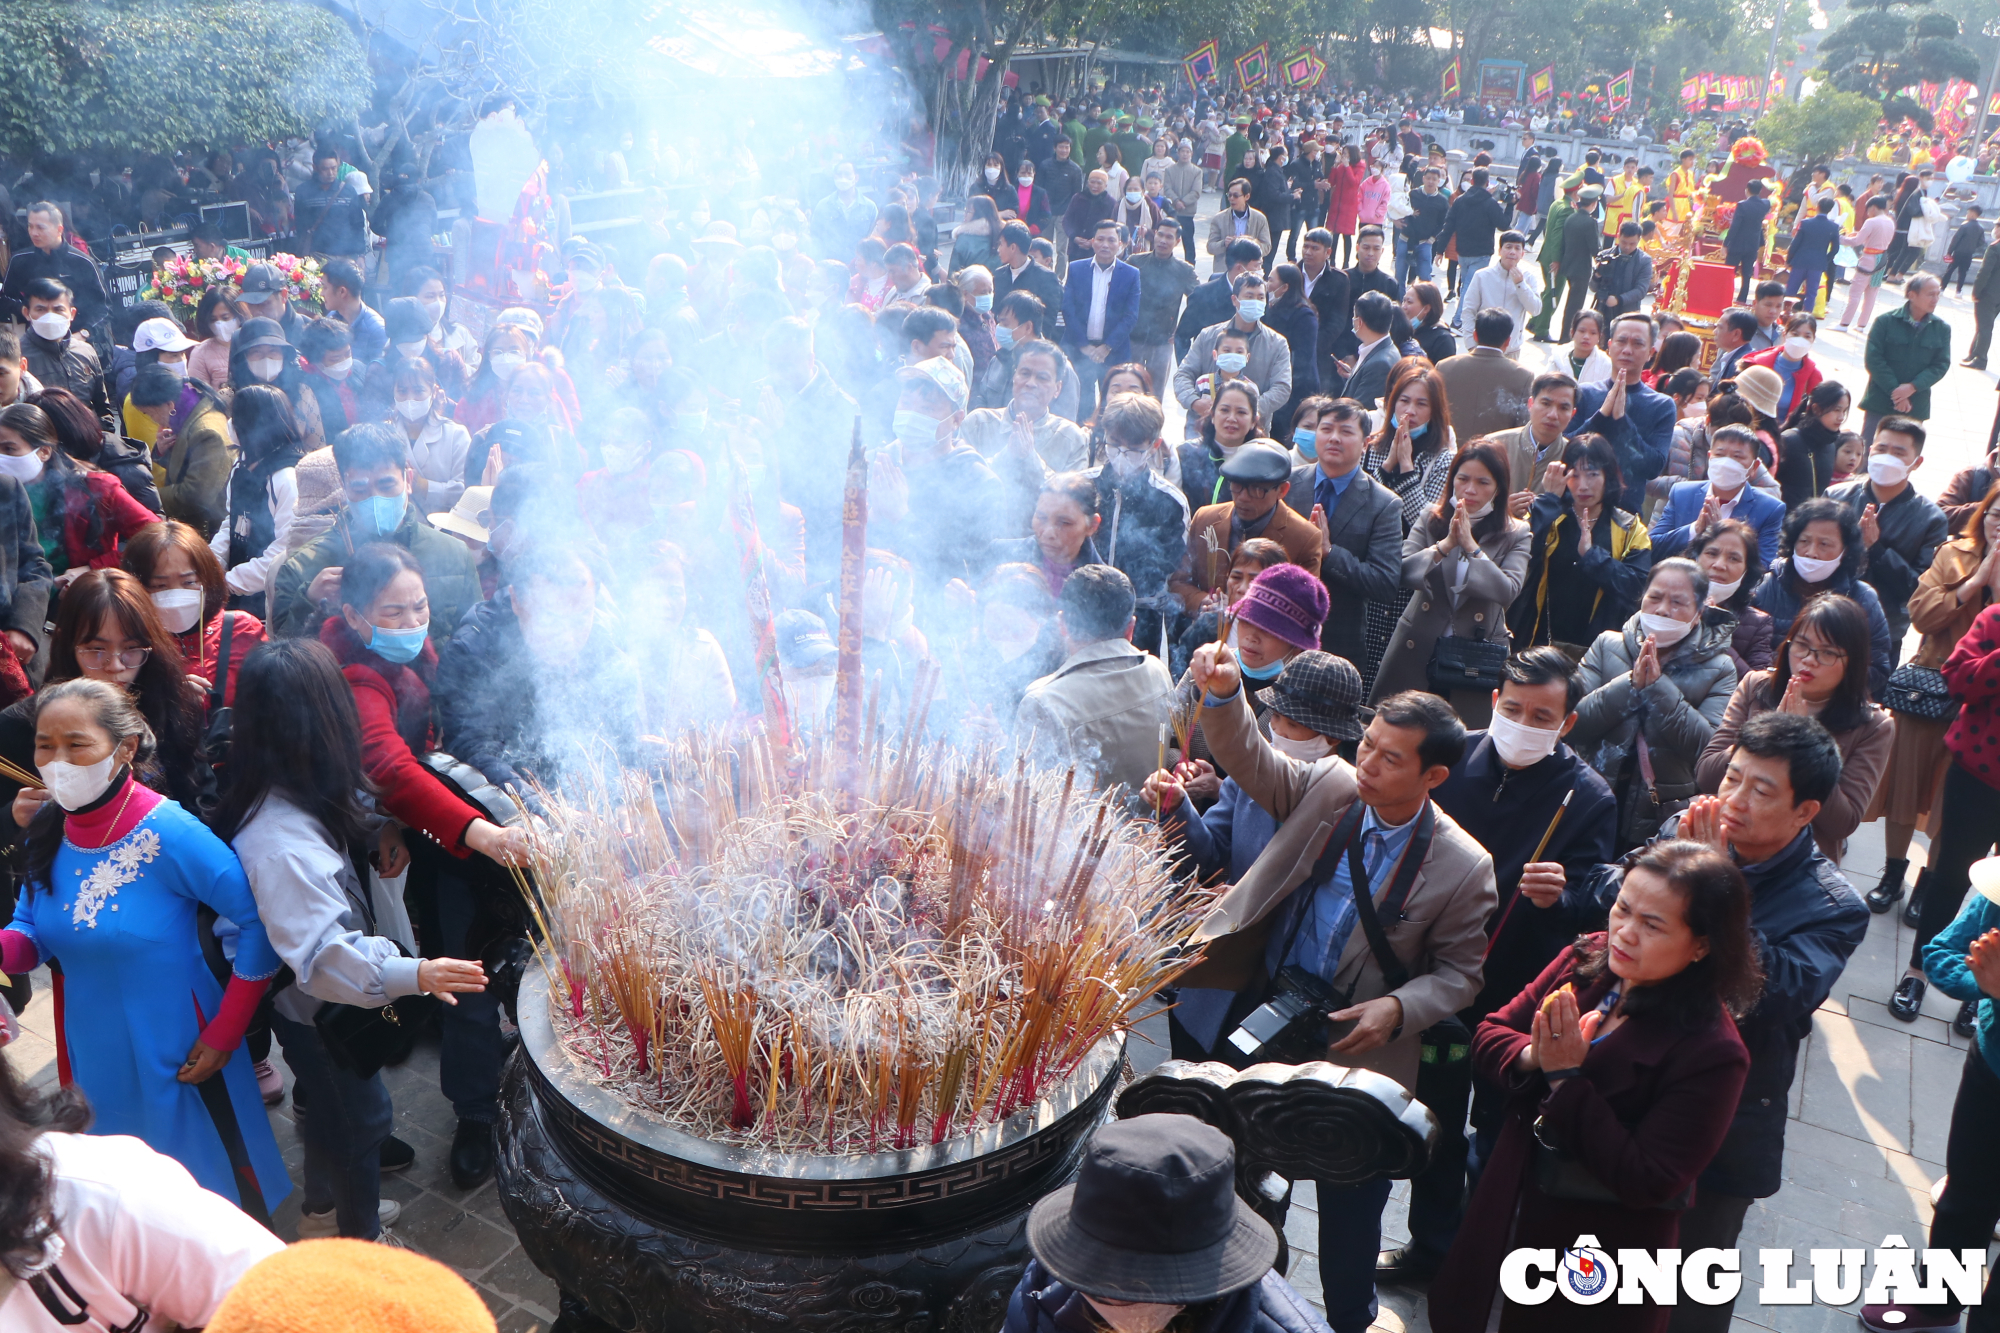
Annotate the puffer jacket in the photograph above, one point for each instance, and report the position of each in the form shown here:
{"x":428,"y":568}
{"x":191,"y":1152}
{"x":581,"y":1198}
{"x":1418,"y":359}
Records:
{"x":1042,"y":1303}
{"x":1678,"y":712}
{"x":1781,"y":595}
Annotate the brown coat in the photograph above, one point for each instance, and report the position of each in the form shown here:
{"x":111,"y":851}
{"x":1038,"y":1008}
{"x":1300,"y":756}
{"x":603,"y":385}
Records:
{"x":1193,"y":581}
{"x":1524,"y":470}
{"x":1935,"y":611}
{"x":1440,"y":935}
{"x":1488,"y":392}
{"x":1864,"y":754}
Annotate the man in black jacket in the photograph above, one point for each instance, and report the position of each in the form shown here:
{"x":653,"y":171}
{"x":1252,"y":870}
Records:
{"x":1473,"y":220}
{"x":1017,"y":272}
{"x":1985,"y":305}
{"x":1417,"y":234}
{"x":1361,"y":523}
{"x":1212,"y":303}
{"x":1327,"y":289}
{"x":1506,"y":793}
{"x":1624,"y":274}
{"x":1580,"y":239}
{"x":1145,"y":516}
{"x":1806,"y":920}
{"x":59,"y":354}
{"x":1902,"y":528}
{"x":1745,"y":239}
{"x":1366,"y":276}
{"x":50,"y":255}
{"x":1271,"y":195}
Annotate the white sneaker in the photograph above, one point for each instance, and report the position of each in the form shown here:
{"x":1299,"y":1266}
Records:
{"x":320,"y":1226}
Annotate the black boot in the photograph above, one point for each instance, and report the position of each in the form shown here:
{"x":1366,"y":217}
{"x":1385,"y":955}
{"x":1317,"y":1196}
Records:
{"x":1913,"y":911}
{"x":471,"y":1154}
{"x":1890,"y":891}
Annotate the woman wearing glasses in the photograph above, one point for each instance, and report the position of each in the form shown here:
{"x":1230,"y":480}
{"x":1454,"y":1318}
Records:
{"x":108,"y":630}
{"x":1821,"y":671}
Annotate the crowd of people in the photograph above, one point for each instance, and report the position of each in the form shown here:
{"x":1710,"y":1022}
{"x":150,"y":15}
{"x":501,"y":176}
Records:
{"x":1534,"y":714}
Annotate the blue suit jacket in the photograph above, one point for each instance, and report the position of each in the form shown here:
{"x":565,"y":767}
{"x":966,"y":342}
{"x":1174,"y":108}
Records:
{"x":1121,"y":308}
{"x":1673,"y":526}
{"x":1642,"y":436}
{"x":1814,"y":243}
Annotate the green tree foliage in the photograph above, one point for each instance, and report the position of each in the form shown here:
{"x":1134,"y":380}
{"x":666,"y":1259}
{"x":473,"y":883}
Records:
{"x":1821,"y":126}
{"x":157,"y":75}
{"x":1887,"y":45}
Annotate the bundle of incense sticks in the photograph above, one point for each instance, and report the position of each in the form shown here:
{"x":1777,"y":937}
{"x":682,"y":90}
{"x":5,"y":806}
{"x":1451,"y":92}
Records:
{"x":731,"y":948}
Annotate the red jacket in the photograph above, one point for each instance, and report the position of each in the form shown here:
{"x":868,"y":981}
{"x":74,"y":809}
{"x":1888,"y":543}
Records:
{"x":1343,"y":205}
{"x":1973,"y":673}
{"x":123,"y":516}
{"x":1645,"y":1116}
{"x":1804,"y":382}
{"x":394,"y":702}
{"x":201,"y":649}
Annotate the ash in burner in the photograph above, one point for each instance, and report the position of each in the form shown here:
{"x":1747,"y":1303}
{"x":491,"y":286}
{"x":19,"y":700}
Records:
{"x":760,"y":959}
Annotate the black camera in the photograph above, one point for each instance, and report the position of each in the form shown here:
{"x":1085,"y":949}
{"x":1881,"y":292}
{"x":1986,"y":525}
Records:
{"x":1292,"y":1027}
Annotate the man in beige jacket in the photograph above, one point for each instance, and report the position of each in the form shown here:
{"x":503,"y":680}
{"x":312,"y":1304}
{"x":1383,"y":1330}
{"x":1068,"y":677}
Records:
{"x":1102,"y":709}
{"x":1291,"y":907}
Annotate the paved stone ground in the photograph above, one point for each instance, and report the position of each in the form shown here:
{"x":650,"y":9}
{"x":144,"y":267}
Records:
{"x":1870,"y":1110}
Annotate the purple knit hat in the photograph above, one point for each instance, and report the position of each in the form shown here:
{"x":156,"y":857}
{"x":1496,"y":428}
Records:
{"x":1286,"y":601}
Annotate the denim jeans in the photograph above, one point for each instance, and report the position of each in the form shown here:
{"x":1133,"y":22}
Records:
{"x":1350,"y":1239}
{"x":343,"y":1122}
{"x":1409,"y":257}
{"x":472,"y":1049}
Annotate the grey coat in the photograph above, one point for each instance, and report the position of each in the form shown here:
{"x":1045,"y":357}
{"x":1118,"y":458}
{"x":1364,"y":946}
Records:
{"x":1679,"y":711}
{"x":1492,"y":581}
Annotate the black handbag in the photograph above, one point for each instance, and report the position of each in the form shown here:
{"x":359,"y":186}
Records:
{"x":1459,"y":663}
{"x":1920,"y":692}
{"x":362,"y":1040}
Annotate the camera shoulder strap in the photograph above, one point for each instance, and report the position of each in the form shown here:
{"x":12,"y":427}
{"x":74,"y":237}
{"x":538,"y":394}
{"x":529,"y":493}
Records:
{"x":1394,"y":974}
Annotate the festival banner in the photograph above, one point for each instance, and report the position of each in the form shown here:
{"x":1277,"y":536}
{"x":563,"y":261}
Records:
{"x":1448,"y":84}
{"x":1691,"y":92}
{"x":1304,"y":69}
{"x":1202,"y":62}
{"x":1544,"y":85}
{"x":1620,"y":91}
{"x":1993,"y":106}
{"x":1253,"y":67}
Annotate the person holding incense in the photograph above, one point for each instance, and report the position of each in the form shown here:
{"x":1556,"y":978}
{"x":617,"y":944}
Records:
{"x":1545,"y":817}
{"x":112,"y":876}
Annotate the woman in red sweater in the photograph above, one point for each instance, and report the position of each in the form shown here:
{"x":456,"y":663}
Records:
{"x":185,"y":581}
{"x":381,"y":640}
{"x":80,"y":513}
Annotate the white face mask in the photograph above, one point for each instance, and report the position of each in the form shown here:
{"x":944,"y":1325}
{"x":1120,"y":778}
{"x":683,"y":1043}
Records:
{"x":1718,"y":593}
{"x":1667,"y":630}
{"x":1725,"y":473}
{"x":179,"y":608}
{"x":992,"y":174}
{"x":23,"y":468}
{"x":77,"y":785}
{"x":411,"y":349}
{"x":506,"y":363}
{"x":1887,"y":470}
{"x":265,"y":368}
{"x":436,"y":309}
{"x":1136,"y":1318}
{"x":413,"y":409}
{"x":1796,"y":348}
{"x":224,"y":329}
{"x":1480,"y":512}
{"x":1306,"y":751}
{"x":340,"y":372}
{"x":1125,"y":463}
{"x":51,"y":326}
{"x":179,"y":368}
{"x":1519,"y":745}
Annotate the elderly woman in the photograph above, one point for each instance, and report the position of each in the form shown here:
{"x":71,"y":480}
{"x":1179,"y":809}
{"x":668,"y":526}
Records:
{"x":1622,"y":1066}
{"x":1655,"y":691}
{"x":1465,"y":561}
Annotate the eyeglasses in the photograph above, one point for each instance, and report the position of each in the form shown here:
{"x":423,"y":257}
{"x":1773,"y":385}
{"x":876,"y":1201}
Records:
{"x":1807,"y":653}
{"x":98,"y":659}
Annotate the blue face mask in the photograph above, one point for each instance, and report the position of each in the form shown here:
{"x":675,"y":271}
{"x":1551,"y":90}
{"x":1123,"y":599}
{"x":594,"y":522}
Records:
{"x":1416,"y":432}
{"x":1270,"y":672}
{"x":1003,"y":337}
{"x":984,"y":301}
{"x":384,"y":513}
{"x":1307,"y":443}
{"x":398,"y":645}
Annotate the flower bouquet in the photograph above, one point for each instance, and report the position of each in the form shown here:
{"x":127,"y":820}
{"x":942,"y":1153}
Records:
{"x":181,"y":282}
